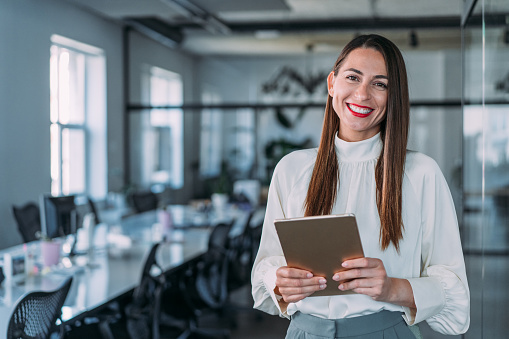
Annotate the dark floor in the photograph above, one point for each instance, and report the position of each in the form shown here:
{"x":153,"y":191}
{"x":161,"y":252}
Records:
{"x":244,"y":322}
{"x":488,"y":278}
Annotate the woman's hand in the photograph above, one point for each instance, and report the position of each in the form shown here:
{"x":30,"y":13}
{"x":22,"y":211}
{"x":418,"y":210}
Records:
{"x":368,"y":276}
{"x":295,"y":284}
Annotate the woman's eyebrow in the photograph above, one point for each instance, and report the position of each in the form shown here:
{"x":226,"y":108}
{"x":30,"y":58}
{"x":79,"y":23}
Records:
{"x":359,"y":72}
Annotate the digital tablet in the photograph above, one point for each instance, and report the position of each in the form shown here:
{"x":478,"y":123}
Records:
{"x":320,"y":244}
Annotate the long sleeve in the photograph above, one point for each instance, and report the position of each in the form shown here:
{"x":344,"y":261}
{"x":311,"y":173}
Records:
{"x":441,"y":293}
{"x":292,"y":169}
{"x":270,"y":255}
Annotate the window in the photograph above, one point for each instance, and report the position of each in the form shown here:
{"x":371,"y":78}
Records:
{"x":163,"y":140}
{"x":227,"y":138}
{"x":78,"y":118}
{"x":211,"y":131}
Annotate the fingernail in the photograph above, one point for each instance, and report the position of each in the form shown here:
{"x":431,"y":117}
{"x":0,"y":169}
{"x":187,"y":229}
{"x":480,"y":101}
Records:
{"x":322,"y":281}
{"x":309,"y":275}
{"x":322,"y":286}
{"x":335,"y":277}
{"x":344,"y":264}
{"x":341,"y":286}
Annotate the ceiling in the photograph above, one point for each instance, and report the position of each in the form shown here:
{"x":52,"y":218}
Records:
{"x":229,"y":27}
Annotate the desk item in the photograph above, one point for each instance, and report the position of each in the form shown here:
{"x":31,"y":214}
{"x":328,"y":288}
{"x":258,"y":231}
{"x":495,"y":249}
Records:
{"x":89,"y":222}
{"x":30,"y":268}
{"x":250,"y":188}
{"x":58,"y":215}
{"x":50,"y":252}
{"x":36,"y":314}
{"x":119,"y":244}
{"x":14,"y":266}
{"x":165,"y":220}
{"x":320,"y":244}
{"x":219,"y":203}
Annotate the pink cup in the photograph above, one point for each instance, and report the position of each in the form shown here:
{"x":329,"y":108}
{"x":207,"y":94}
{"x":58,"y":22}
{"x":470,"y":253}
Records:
{"x":50,"y":252}
{"x":164,"y":218}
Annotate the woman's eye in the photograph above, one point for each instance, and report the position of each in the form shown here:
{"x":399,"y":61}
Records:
{"x":381,"y":85}
{"x":351,"y":77}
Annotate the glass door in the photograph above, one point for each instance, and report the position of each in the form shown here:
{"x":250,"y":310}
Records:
{"x":485,"y":221}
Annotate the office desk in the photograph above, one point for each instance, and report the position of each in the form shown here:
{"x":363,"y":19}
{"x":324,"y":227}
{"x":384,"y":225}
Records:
{"x":111,"y":273}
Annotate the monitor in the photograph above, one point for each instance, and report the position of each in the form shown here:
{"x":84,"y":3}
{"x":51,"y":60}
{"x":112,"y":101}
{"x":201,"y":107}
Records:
{"x":58,"y":215}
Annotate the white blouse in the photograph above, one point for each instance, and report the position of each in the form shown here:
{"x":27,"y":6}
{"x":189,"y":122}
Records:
{"x":430,"y":256}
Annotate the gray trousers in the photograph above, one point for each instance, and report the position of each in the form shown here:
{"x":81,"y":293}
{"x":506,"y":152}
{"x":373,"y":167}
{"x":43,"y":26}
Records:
{"x":384,"y":324}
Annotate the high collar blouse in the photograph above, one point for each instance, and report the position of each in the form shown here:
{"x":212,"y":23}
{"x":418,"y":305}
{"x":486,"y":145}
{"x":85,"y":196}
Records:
{"x":430,"y":254}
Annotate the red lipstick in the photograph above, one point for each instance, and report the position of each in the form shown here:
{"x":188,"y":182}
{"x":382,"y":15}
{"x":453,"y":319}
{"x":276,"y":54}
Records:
{"x":357,"y":114}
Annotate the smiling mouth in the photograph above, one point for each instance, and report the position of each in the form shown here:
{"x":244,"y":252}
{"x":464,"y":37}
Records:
{"x":359,"y":111}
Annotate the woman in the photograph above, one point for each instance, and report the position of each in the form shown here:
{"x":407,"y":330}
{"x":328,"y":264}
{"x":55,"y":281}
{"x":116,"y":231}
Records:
{"x":413,"y":268}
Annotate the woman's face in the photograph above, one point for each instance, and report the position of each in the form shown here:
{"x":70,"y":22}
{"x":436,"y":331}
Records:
{"x":359,"y":94}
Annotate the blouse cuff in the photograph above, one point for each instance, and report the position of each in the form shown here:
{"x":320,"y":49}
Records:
{"x":429,"y":299}
{"x":269,"y":280}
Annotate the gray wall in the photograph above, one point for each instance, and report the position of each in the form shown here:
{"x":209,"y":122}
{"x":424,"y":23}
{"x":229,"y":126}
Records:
{"x":25,"y":30}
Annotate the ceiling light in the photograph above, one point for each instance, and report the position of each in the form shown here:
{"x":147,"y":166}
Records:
{"x":267,"y":34}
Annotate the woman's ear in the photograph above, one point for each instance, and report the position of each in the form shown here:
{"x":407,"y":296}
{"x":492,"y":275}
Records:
{"x":330,"y":84}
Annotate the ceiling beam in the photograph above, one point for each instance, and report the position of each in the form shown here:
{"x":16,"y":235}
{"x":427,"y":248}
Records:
{"x":158,"y":30}
{"x":361,"y":24}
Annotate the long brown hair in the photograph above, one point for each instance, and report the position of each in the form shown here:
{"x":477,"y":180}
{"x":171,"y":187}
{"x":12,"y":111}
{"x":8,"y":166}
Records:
{"x":389,"y":169}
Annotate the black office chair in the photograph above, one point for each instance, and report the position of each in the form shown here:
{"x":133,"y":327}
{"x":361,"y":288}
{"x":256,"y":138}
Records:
{"x":243,"y":253}
{"x":28,"y":221}
{"x":241,"y":260}
{"x":201,"y":287}
{"x":144,"y":201}
{"x":36,"y":314}
{"x":143,"y":313}
{"x":93,"y":209}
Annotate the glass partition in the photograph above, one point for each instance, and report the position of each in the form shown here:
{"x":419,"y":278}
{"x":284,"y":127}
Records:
{"x":226,"y":144}
{"x":485,"y":226}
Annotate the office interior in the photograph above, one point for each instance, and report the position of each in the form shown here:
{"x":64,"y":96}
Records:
{"x":234,"y":111}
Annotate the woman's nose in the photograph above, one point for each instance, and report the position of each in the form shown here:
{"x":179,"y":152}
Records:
{"x":362,"y":92}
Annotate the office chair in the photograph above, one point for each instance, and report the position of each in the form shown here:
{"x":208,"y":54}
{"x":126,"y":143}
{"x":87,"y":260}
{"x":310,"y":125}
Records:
{"x":36,"y":314}
{"x":202,"y":286}
{"x":144,"y":201}
{"x":28,"y":221}
{"x":93,"y":209}
{"x":144,"y":311}
{"x":241,"y":259}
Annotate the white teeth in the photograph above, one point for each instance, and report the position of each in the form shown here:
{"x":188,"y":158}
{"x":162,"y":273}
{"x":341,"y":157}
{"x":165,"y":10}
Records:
{"x":360,"y":110}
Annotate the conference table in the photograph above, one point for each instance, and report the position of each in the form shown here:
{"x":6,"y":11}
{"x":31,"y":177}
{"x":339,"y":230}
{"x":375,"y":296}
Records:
{"x":112,"y":267}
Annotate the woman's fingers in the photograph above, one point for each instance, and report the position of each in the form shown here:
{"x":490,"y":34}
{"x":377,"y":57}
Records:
{"x":365,"y":276}
{"x":301,"y":290}
{"x":361,"y":268}
{"x":295,"y":284}
{"x":295,"y":273}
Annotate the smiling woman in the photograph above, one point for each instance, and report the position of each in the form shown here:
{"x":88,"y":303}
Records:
{"x":359,"y":94}
{"x":413,"y":268}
